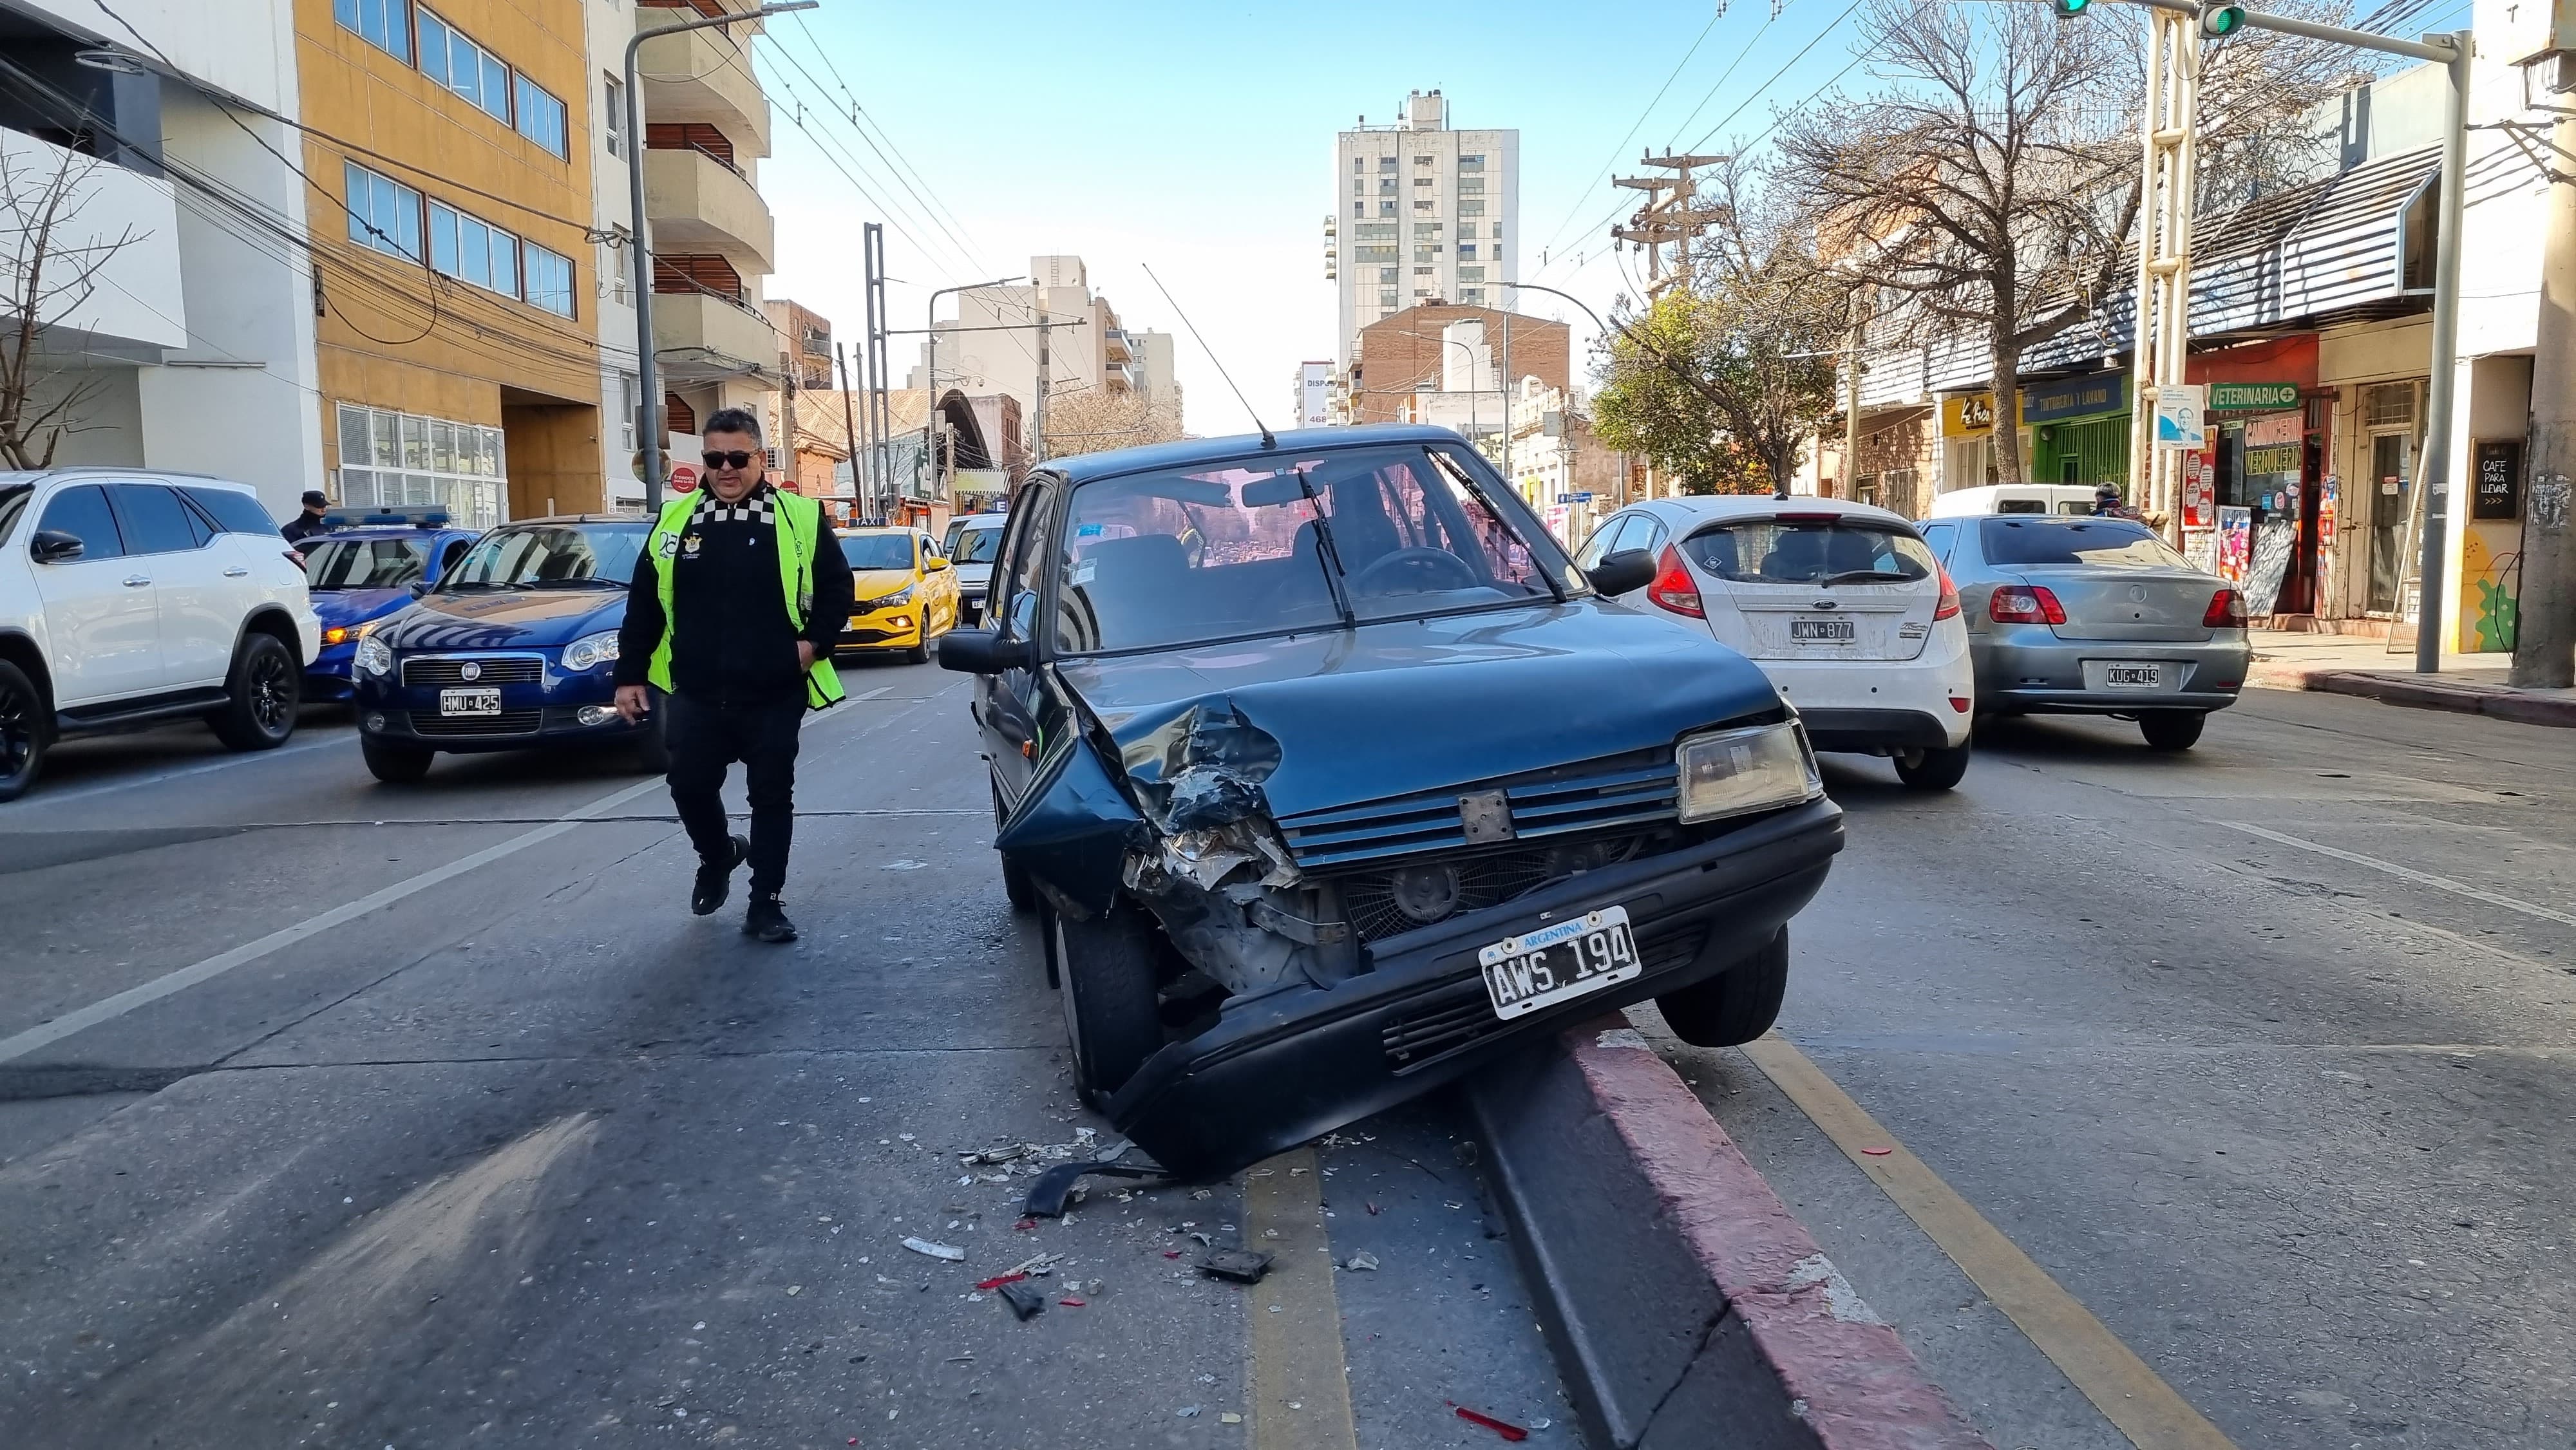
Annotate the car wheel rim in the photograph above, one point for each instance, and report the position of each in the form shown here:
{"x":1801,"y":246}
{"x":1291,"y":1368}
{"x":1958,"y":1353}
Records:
{"x":270,"y":695}
{"x":17,"y":733}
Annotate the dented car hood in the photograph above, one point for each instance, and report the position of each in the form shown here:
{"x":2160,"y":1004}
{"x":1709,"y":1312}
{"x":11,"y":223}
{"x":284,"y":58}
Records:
{"x":1343,"y":717}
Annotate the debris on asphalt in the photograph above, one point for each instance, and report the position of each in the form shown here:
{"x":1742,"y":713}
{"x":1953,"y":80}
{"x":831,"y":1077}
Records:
{"x":1503,"y":1428}
{"x":1240,"y":1266}
{"x":1025,"y":1302}
{"x":1201,"y":1194}
{"x":1024,"y":1225}
{"x":1374,"y":1210}
{"x":1878,"y":1152}
{"x":1186,"y":1412}
{"x":1363,"y":1262}
{"x":1171,"y":1253}
{"x":1074,"y":1303}
{"x":997,"y":1281}
{"x":950,"y":1252}
{"x":1229,"y":1418}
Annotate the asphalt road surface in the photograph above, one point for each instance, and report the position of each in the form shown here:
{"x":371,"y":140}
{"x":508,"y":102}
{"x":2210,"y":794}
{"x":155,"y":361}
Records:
{"x":2258,"y":1057}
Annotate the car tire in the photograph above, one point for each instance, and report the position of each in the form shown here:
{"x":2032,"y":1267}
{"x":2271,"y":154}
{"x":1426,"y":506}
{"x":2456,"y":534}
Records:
{"x":26,"y":731}
{"x":1735,"y":1006}
{"x":395,"y":764}
{"x":918,"y":655}
{"x":2172,"y":729}
{"x":653,"y":746}
{"x":1111,"y":1019}
{"x":1937,"y":768}
{"x":1015,"y":880}
{"x":266,"y":689}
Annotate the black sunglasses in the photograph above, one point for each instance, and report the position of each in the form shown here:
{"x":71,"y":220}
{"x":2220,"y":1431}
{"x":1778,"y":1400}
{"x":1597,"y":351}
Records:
{"x":735,"y":459}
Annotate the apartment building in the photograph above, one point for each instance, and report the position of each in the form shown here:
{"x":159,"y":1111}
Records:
{"x":184,"y":338}
{"x":993,"y":344}
{"x":809,"y":457}
{"x":1424,"y":214}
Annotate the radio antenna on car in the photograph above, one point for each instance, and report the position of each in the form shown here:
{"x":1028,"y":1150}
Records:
{"x":1268,"y":439}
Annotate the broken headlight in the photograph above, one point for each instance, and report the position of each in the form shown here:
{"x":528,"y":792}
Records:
{"x":1759,"y":768}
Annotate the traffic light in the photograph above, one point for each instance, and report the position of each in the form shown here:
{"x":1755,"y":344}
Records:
{"x":2069,"y":9}
{"x":2221,"y":21}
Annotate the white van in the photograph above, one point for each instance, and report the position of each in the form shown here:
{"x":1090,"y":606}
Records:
{"x":2014,"y":498}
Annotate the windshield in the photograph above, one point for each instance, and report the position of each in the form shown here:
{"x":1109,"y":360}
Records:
{"x":877,"y":551}
{"x":1161,"y":559}
{"x":2108,"y":543}
{"x":554,"y":556}
{"x":973,"y":546}
{"x":1810,"y":551}
{"x":346,"y":563}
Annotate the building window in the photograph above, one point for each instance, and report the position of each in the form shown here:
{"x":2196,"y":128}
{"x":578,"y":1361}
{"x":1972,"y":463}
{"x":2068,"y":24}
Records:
{"x":1472,"y":207}
{"x":1386,"y":297}
{"x":386,"y":24}
{"x":383,"y":213}
{"x":1424,"y":160}
{"x":1386,"y":188}
{"x":1471,"y":274}
{"x":626,"y":384}
{"x":1426,"y":206}
{"x":391,"y":460}
{"x":1426,"y":229}
{"x":612,"y":109}
{"x":1359,"y":209}
{"x":1471,"y":163}
{"x":1471,"y":186}
{"x":1422,"y":180}
{"x":1379,"y":253}
{"x":1466,"y":251}
{"x":1466,"y":230}
{"x":1472,"y":296}
{"x":469,"y":70}
{"x":473,"y":250}
{"x":1358,"y":187}
{"x":1389,"y":275}
{"x":1358,"y":165}
{"x":1426,"y":271}
{"x":540,"y":115}
{"x":1386,"y":163}
{"x":1386,"y":208}
{"x":1375,"y":232}
{"x":549,"y":280}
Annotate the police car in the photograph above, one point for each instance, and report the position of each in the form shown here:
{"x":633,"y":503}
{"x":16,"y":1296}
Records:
{"x":368,"y":567}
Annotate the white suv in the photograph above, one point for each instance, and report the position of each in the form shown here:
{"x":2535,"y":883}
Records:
{"x":1841,"y":604}
{"x":129,"y":595}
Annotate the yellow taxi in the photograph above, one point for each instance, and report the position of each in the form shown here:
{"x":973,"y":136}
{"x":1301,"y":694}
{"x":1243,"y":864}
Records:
{"x":906,"y":594}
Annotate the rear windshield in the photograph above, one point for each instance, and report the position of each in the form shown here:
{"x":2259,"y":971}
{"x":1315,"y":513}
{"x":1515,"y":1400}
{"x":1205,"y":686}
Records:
{"x":1810,"y":551}
{"x":2109,"y":543}
{"x":973,"y":546}
{"x":877,"y":551}
{"x":362,"y":563}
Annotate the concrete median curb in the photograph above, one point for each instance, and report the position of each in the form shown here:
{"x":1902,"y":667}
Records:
{"x":1685,"y":1304}
{"x":2435,"y":693}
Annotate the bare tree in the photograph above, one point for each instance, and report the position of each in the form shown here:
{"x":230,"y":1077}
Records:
{"x":49,"y":271}
{"x":1094,"y":420}
{"x":1989,"y":185}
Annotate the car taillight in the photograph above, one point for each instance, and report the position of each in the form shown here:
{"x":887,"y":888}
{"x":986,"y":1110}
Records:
{"x":1949,"y":604}
{"x":1673,"y":588}
{"x":2226,"y":611}
{"x":2025,"y":604}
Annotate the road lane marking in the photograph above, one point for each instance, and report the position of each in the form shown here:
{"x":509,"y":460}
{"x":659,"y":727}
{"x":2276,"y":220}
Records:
{"x":2133,"y":1397}
{"x":2421,"y":878}
{"x":1296,"y":1327}
{"x":158,"y":777}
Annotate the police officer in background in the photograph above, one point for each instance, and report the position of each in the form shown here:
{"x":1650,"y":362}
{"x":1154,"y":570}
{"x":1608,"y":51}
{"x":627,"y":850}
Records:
{"x":310,"y":522}
{"x":736,"y":600}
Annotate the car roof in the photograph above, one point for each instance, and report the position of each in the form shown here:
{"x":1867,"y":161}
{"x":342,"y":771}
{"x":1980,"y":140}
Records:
{"x":1082,"y":468}
{"x":987,"y":518}
{"x":396,"y":531}
{"x":1763,"y":505}
{"x":636,"y":519}
{"x":138,"y":475}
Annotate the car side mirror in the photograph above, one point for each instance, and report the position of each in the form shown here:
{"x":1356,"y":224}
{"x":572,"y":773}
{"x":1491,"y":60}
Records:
{"x":936,"y":564}
{"x":1623,"y":572}
{"x":983,"y":652}
{"x":53,"y":546}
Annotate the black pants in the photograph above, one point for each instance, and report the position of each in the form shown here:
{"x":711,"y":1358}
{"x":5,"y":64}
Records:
{"x":704,"y":739}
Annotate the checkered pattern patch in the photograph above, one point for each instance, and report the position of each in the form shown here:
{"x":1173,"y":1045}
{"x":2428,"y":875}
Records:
{"x":754,"y":508}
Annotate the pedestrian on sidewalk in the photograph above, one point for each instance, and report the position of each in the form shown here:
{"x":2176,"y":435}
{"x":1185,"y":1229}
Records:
{"x":736,"y":600}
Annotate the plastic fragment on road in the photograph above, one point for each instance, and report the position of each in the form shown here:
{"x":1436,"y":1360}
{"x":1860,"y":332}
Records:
{"x":1240,"y":1266}
{"x":1186,"y":1412}
{"x":998,"y":1280}
{"x":1229,"y":1418}
{"x":1878,"y":1152}
{"x":1171,"y":1253}
{"x":1074,"y":1303}
{"x":1364,"y":1262}
{"x":1503,"y":1428}
{"x":1024,"y":1225}
{"x":950,"y":1252}
{"x":1025,"y":1302}
{"x":1374,"y":1210}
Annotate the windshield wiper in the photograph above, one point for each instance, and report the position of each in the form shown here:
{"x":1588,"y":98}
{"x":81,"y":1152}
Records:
{"x":1854,"y":576}
{"x":1325,"y":554}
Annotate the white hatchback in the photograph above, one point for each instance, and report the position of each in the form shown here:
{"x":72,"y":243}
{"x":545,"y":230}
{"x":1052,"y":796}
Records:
{"x":1841,"y":604}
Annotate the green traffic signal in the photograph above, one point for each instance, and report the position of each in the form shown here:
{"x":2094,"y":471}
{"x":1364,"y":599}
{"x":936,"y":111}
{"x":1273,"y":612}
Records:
{"x":2221,"y":21}
{"x":2069,"y":9}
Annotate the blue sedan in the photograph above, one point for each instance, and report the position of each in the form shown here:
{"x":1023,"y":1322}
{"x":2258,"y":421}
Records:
{"x":360,"y":575}
{"x":515,"y":647}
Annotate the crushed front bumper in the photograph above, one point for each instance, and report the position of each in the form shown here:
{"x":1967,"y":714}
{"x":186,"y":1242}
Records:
{"x":1277,"y":1071}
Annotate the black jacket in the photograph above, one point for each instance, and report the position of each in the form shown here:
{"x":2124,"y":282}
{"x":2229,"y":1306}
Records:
{"x":733,"y":644}
{"x":302,"y":527}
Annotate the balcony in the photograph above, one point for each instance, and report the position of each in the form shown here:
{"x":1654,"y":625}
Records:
{"x":700,"y":335}
{"x":133,"y":294}
{"x":1115,"y":341}
{"x":698,"y":204}
{"x":694,"y":76}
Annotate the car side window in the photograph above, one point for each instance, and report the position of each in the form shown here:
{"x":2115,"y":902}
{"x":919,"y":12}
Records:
{"x":1024,"y":566}
{"x":447,"y":559}
{"x":1942,"y":538}
{"x":1598,"y":547}
{"x":83,"y":513}
{"x":1645,"y":532}
{"x":155,"y":521}
{"x":233,"y":513}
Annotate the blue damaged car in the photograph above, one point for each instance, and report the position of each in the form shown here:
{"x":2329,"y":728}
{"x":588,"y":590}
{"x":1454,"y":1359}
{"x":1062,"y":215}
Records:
{"x":360,"y":573}
{"x":1331,"y":777}
{"x":514,"y":647}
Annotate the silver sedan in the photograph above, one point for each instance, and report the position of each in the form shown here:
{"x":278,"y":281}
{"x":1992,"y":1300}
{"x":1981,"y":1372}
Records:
{"x":2093,"y":616}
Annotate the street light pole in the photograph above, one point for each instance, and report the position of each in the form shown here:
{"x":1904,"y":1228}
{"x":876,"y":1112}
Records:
{"x":930,"y":368}
{"x":647,"y":376}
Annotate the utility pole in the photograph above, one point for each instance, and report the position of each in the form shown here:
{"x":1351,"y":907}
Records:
{"x":1037,"y":438}
{"x":791,"y":363}
{"x":873,"y":367}
{"x":1848,"y":486}
{"x":1506,"y":381}
{"x":930,"y":373}
{"x":2544,"y":645}
{"x":1664,"y":221}
{"x":849,"y":428}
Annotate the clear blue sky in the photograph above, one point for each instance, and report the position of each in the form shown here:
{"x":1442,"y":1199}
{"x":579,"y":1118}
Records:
{"x":1199,"y":138}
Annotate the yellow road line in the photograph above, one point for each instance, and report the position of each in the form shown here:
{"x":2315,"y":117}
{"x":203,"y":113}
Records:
{"x":2129,"y":1394}
{"x":1301,"y":1389}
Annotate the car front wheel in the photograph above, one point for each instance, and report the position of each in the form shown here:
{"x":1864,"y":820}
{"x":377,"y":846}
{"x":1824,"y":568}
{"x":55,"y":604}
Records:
{"x":1735,"y":1006}
{"x":24,"y":732}
{"x":1938,"y":768}
{"x":2172,"y":729}
{"x":1110,"y":1019}
{"x":266,"y":690}
{"x":394,"y":764}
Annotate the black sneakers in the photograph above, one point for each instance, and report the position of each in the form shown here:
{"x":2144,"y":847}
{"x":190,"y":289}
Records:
{"x":765,"y":921}
{"x":715,"y":881}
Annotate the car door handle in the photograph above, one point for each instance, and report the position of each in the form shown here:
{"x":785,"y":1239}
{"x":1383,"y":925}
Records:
{"x":137,"y":581}
{"x":235,"y":572}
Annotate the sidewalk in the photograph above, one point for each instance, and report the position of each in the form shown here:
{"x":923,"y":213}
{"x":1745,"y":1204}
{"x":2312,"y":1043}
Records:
{"x":2359,"y":665}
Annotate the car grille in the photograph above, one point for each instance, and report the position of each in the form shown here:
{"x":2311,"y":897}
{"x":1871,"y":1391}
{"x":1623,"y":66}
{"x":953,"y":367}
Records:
{"x":1456,"y":1018}
{"x":508,"y":722}
{"x":1369,"y":897}
{"x":492,"y":670}
{"x":864,"y":636}
{"x":1616,"y":790}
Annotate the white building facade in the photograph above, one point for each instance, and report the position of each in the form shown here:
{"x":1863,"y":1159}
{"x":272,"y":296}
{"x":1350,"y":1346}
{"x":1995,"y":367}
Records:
{"x":1422,"y":214}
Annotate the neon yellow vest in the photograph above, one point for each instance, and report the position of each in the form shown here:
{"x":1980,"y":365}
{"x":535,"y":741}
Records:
{"x":799,"y":521}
